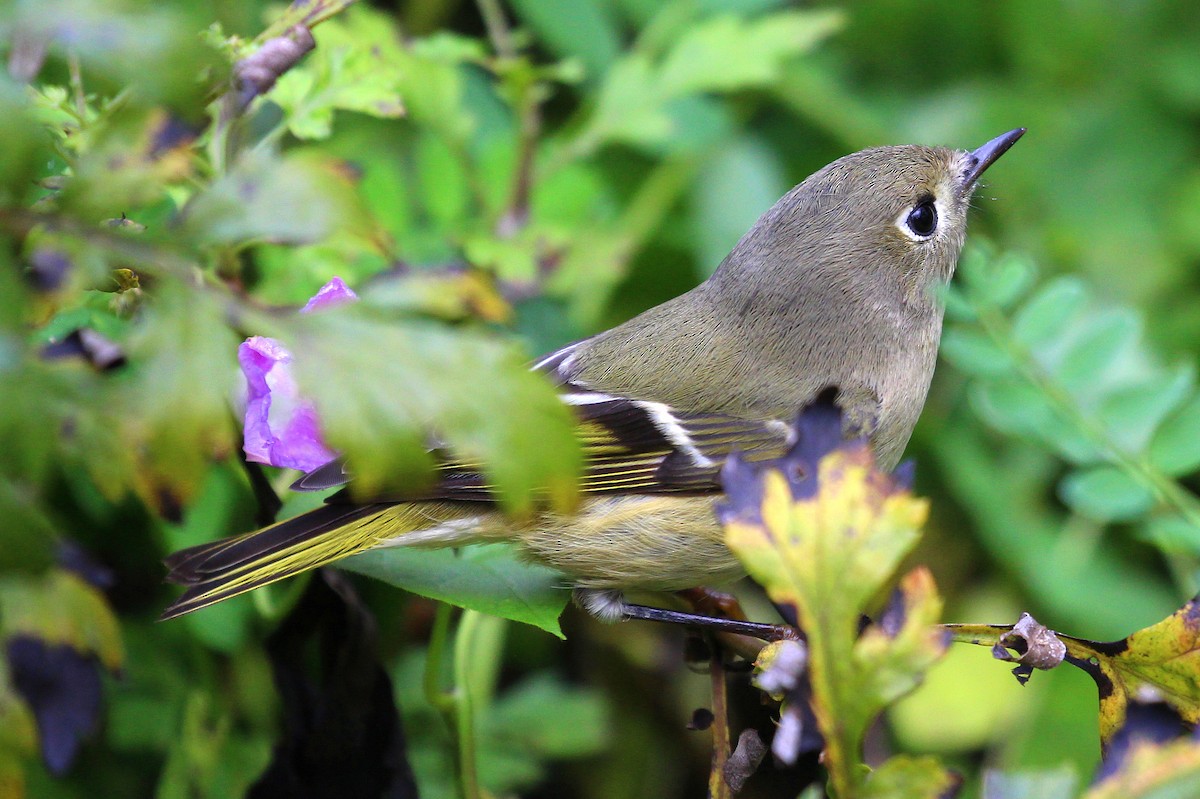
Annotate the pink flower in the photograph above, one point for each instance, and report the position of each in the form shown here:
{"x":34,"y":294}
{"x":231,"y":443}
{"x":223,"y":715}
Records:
{"x":281,"y":427}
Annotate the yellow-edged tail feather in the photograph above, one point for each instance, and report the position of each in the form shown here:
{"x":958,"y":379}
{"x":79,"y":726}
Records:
{"x":223,"y":569}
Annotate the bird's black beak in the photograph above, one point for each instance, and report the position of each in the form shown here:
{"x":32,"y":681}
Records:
{"x":982,"y":158}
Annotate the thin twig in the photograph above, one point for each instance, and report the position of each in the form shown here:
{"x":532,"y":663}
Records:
{"x":77,"y":86}
{"x":516,"y":216}
{"x":528,"y":102}
{"x":497,"y":28}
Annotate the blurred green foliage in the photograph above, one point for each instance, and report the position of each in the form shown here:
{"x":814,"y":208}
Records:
{"x":493,"y":190}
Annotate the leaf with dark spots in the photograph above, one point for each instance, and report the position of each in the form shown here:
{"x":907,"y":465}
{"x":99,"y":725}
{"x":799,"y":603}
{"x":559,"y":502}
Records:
{"x":96,"y":349}
{"x":1162,"y":661}
{"x":75,"y":559}
{"x":62,"y":687}
{"x":823,"y":530}
{"x":1153,"y":723}
{"x":48,"y":269}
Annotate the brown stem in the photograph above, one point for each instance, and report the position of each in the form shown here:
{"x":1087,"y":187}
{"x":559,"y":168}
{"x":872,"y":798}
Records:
{"x":718,"y":788}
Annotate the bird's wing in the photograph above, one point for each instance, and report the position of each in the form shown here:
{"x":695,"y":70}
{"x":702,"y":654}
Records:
{"x":630,"y":445}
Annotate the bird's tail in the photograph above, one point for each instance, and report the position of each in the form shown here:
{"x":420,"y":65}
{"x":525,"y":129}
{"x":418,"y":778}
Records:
{"x":223,"y":569}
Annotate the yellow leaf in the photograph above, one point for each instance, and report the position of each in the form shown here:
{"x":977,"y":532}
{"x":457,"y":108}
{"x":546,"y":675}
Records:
{"x":1162,"y":660}
{"x":823,"y":530}
{"x":61,"y":608}
{"x":1152,"y":771}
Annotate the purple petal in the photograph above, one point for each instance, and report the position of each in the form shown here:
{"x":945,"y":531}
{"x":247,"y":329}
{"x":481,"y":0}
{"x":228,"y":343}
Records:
{"x":281,"y":428}
{"x":335,"y":292}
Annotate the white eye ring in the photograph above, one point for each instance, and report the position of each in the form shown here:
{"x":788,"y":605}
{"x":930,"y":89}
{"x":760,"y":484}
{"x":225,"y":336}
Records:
{"x":920,"y":222}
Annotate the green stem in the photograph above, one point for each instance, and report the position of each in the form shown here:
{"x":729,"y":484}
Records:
{"x":465,"y":731}
{"x":477,"y":647}
{"x":446,"y":701}
{"x":434,"y":657}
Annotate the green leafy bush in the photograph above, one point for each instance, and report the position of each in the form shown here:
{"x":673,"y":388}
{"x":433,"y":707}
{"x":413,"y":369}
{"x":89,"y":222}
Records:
{"x":495,"y":182}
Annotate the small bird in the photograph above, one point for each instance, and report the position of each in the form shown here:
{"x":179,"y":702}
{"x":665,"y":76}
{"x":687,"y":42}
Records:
{"x":835,"y":286}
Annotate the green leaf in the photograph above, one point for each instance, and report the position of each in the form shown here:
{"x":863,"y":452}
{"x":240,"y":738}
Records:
{"x":744,"y":179}
{"x":995,"y":281}
{"x":1106,"y":493}
{"x":1004,"y":490}
{"x":1175,"y":447}
{"x":444,"y":182}
{"x":18,"y":738}
{"x":728,"y":52}
{"x":26,"y":144}
{"x":1173,"y":533}
{"x":297,"y":200}
{"x":151,"y":51}
{"x":127,"y":160}
{"x":720,"y":54}
{"x":582,"y":29}
{"x":1131,"y":414}
{"x":488,"y":578}
{"x":515,"y":260}
{"x":545,"y":718}
{"x":1092,"y":355}
{"x":383,"y":387}
{"x":539,"y":719}
{"x":629,"y":107}
{"x":908,"y":777}
{"x":308,"y":13}
{"x":1015,"y":406}
{"x":976,"y":353}
{"x":1010,"y":279}
{"x":959,"y":307}
{"x":58,"y":607}
{"x":355,"y":67}
{"x":1047,"y":315}
{"x":174,"y":410}
{"x":434,"y":90}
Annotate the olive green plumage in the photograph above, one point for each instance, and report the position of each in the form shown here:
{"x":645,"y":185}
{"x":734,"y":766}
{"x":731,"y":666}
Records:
{"x":835,"y":285}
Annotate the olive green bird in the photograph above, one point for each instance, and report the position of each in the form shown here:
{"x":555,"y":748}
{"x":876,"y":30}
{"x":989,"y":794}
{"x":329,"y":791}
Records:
{"x":835,"y":285}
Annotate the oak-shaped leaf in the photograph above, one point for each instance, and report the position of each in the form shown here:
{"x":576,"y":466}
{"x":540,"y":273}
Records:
{"x":823,"y":530}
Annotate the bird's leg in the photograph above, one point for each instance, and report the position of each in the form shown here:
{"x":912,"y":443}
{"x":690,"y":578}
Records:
{"x":765,"y":632}
{"x":608,"y":605}
{"x":712,"y":602}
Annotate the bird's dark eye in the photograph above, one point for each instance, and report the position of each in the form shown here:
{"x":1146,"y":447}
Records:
{"x":922,"y":220}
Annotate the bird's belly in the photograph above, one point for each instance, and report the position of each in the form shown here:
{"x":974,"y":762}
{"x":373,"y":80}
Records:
{"x":659,"y":543}
{"x":903,"y":386}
